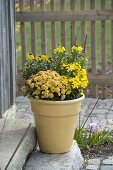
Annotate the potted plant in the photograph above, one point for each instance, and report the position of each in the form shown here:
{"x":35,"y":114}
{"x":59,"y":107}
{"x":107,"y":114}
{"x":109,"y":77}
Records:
{"x":55,"y":86}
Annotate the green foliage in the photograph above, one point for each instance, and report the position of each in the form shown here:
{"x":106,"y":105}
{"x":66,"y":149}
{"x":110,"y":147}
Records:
{"x":34,"y":66}
{"x":86,"y":138}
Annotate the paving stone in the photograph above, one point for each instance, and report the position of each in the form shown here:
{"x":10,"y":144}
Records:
{"x":100,"y":112}
{"x":108,"y":161}
{"x":111,"y":108}
{"x":92,"y":167}
{"x":110,"y":115}
{"x":25,"y":106}
{"x":110,"y":121}
{"x":108,"y":167}
{"x":87,"y":101}
{"x":94,"y":120}
{"x":94,"y":161}
{"x":21,"y":110}
{"x":110,"y":157}
{"x":106,"y":103}
{"x":110,"y":127}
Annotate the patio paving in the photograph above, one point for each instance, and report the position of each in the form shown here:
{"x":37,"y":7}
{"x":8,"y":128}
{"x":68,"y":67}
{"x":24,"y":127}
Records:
{"x":102,"y":114}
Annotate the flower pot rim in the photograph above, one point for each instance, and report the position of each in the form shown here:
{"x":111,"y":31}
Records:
{"x":59,"y":102}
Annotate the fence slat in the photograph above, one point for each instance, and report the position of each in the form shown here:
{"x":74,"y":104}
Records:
{"x":43,"y":33}
{"x":63,"y":35}
{"x":100,"y":79}
{"x":112,"y":42}
{"x":103,"y":43}
{"x":22,"y":30}
{"x":73,"y":25}
{"x":82,"y":27}
{"x":41,"y":16}
{"x":103,"y":38}
{"x":33,"y":43}
{"x":53,"y":44}
{"x":82,"y":4}
{"x":93,"y":49}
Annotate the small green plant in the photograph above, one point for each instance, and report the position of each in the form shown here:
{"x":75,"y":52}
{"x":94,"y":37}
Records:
{"x":94,"y":136}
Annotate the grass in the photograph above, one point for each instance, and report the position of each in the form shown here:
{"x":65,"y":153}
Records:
{"x":68,"y":33}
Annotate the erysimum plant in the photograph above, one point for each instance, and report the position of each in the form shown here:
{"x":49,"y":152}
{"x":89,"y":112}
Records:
{"x":61,"y":77}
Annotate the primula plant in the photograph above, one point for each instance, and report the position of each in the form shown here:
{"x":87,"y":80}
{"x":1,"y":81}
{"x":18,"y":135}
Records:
{"x":61,"y":77}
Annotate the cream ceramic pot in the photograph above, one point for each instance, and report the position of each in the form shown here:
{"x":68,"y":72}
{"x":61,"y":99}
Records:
{"x":55,"y":123}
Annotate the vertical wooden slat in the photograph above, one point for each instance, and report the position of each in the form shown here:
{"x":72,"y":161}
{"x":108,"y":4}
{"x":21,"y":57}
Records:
{"x":73,"y":26}
{"x":53,"y":44}
{"x":103,"y":39}
{"x":93,"y":49}
{"x":22,"y":30}
{"x":112,"y":42}
{"x":43,"y":36}
{"x":82,"y":4}
{"x":63,"y":35}
{"x":33,"y":43}
{"x":12,"y":52}
{"x":83,"y":40}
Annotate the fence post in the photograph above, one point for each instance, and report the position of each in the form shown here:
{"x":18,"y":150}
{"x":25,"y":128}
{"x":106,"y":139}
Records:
{"x":7,"y":55}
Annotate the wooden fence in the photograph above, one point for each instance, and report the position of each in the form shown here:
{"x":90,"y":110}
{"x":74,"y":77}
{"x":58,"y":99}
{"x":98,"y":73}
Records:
{"x":86,"y":14}
{"x":7,"y":55}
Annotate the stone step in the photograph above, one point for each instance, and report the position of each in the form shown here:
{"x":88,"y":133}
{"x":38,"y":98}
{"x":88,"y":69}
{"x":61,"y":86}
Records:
{"x":72,"y":160}
{"x":17,"y":140}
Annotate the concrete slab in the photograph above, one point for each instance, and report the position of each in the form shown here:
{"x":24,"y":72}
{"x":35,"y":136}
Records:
{"x":18,"y":139}
{"x":72,"y":160}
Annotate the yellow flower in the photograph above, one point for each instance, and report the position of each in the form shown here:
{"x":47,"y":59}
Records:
{"x":82,"y":72}
{"x":75,"y":83}
{"x":63,"y":91}
{"x":29,"y":57}
{"x":35,"y":79}
{"x":32,"y":85}
{"x":64,"y":65}
{"x":77,"y":48}
{"x":56,"y":89}
{"x":44,"y":87}
{"x":80,"y":48}
{"x":24,"y":89}
{"x":38,"y":58}
{"x":59,"y":49}
{"x":37,"y":92}
{"x":84,"y":82}
{"x":51,"y":95}
{"x":45,"y":93}
{"x":43,"y":58}
{"x":29,"y":81}
{"x":71,"y":67}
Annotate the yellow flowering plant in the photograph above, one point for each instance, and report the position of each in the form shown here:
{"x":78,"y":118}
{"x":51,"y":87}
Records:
{"x":62,"y":77}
